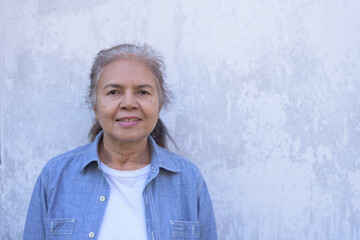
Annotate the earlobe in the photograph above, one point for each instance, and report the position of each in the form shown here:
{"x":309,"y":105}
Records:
{"x":95,"y":111}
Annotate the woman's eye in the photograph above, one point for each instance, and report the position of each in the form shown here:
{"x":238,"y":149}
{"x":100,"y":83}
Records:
{"x":112,"y":92}
{"x":144,"y":92}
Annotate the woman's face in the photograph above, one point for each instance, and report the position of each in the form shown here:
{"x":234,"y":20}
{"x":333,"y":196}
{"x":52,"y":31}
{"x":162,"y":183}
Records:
{"x":127,"y":101}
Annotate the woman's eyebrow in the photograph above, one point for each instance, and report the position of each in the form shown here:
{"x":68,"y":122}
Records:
{"x":113,"y":85}
{"x":144,"y":86}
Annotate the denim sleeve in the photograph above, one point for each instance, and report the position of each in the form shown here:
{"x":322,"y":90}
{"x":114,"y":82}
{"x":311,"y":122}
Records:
{"x":35,"y":220}
{"x":206,"y":214}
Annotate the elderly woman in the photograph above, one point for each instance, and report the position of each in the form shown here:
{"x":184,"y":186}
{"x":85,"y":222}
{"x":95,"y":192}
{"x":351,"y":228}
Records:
{"x":124,"y":184}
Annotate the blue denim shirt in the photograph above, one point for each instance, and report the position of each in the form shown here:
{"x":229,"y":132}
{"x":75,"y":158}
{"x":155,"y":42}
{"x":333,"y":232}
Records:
{"x":70,"y":197}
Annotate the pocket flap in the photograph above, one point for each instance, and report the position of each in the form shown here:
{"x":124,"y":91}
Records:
{"x":60,"y":225}
{"x":185,"y":229}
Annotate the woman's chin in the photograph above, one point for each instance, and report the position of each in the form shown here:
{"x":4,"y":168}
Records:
{"x":122,"y":138}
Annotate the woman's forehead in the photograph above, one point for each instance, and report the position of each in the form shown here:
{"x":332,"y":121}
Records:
{"x":127,"y":71}
{"x":127,"y":65}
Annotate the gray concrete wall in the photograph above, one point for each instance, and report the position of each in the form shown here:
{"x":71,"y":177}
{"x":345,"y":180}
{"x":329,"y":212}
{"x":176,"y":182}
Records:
{"x":267,"y":103}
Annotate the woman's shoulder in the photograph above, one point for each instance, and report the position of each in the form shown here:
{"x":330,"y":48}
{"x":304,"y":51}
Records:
{"x":71,"y":158}
{"x":176,"y":162}
{"x":73,"y":153}
{"x":185,"y":171}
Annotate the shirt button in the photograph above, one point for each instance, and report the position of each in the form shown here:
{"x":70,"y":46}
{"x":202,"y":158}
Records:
{"x":91,"y":234}
{"x":102,"y":198}
{"x":153,"y":169}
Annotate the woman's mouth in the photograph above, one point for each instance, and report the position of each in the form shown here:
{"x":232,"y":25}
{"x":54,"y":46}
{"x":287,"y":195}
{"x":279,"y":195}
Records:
{"x":128,"y":122}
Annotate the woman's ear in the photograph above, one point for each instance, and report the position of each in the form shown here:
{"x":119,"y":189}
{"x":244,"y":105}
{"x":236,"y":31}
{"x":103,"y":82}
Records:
{"x":159,"y":112}
{"x":95,"y":111}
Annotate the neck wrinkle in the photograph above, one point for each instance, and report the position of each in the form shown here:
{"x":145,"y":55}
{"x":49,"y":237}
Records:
{"x":130,"y":156}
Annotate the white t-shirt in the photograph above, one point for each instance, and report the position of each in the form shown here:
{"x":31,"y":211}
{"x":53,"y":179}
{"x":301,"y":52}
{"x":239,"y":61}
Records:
{"x":124,"y":216}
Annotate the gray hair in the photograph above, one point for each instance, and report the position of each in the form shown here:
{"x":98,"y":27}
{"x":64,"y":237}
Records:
{"x":142,"y":53}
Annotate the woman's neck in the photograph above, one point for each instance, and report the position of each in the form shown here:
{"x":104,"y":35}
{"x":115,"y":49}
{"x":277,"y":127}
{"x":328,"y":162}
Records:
{"x":127,"y":157}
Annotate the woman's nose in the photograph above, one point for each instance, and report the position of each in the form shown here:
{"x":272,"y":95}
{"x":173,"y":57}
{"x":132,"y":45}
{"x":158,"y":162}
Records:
{"x":128,"y":101}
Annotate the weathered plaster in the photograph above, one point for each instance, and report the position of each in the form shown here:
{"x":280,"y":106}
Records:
{"x":267,"y":103}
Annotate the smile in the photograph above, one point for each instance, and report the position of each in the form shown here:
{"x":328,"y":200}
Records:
{"x":128,"y":120}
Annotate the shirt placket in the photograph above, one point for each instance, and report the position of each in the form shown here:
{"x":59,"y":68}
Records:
{"x":150,"y":211}
{"x":98,"y":205}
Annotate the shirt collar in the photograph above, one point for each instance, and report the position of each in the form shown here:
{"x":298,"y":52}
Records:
{"x":92,"y":154}
{"x":160,"y":157}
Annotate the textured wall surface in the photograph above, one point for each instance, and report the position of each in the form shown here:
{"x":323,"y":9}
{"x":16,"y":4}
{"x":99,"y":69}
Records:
{"x":267,"y":103}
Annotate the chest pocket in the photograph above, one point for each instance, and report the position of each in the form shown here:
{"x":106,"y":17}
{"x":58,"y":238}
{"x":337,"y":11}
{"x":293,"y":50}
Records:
{"x":59,"y":228}
{"x":184,"y":230}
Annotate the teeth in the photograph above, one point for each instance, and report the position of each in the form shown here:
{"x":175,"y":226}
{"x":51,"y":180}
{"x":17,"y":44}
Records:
{"x":129,"y":120}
